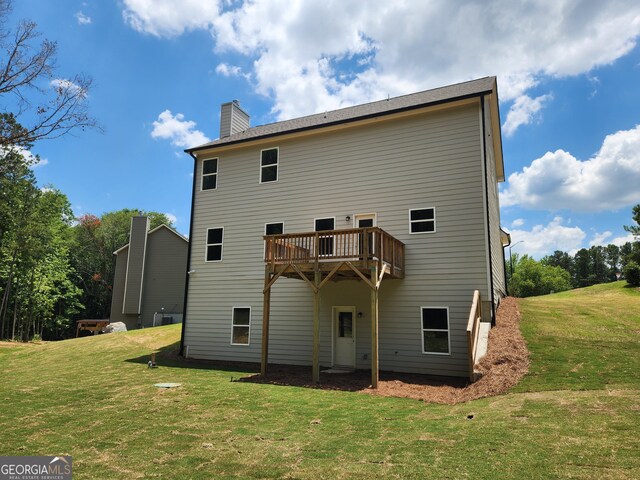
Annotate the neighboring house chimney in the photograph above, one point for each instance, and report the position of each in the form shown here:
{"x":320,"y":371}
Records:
{"x":135,"y":266}
{"x":232,"y":119}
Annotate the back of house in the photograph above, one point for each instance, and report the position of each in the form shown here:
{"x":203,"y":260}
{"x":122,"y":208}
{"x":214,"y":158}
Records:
{"x":405,"y":188}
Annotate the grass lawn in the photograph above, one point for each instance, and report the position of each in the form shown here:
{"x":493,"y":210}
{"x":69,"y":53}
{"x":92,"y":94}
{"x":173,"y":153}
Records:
{"x":576,"y":415}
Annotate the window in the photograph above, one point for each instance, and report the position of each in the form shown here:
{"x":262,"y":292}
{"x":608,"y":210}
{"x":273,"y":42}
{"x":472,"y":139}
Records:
{"x":435,"y":330}
{"x":210,"y":174}
{"x":274,"y":228}
{"x":214,"y":244}
{"x":325,"y":243}
{"x":422,"y":220}
{"x":240,"y":325}
{"x":269,"y":165}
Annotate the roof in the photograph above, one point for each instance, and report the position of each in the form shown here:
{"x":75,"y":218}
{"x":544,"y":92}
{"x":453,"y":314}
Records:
{"x":459,"y":91}
{"x":152,"y":231}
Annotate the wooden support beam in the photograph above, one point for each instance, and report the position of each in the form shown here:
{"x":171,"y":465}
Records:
{"x":316,"y":329}
{"x":266,"y":307}
{"x":371,"y":284}
{"x":382,"y":271}
{"x":313,"y":286}
{"x":331,"y":274}
{"x":374,"y":330}
{"x":275,"y":277}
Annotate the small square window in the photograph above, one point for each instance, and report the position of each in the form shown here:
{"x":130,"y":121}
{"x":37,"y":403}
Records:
{"x":214,"y":244}
{"x":240,"y":325}
{"x":325,"y":242}
{"x":435,"y":330}
{"x":269,"y":165}
{"x":422,"y":220}
{"x":210,"y":174}
{"x":274,"y":228}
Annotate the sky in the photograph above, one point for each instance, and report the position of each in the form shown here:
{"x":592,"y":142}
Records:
{"x":568,"y":82}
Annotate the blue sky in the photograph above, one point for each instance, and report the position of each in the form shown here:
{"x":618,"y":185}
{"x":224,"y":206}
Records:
{"x":568,"y":75}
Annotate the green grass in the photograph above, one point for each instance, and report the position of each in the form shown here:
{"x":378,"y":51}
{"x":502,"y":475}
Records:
{"x":575,"y":416}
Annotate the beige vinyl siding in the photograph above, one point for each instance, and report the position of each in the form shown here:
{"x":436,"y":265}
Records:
{"x":428,"y":160}
{"x":497,"y":254}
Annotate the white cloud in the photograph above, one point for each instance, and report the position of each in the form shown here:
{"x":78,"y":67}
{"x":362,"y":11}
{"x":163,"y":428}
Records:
{"x":165,"y":18}
{"x":62,"y":84}
{"x":172,"y":218}
{"x":32,"y":160}
{"x":622,"y":240}
{"x":518,"y":222}
{"x":608,"y":181}
{"x":83,"y":19}
{"x":181,"y":132}
{"x":600,"y":238}
{"x":311,"y":56}
{"x":227,"y":70}
{"x":522,"y":112}
{"x":543,"y":240}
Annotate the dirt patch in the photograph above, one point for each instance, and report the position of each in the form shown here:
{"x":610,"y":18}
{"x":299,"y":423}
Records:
{"x":506,"y":362}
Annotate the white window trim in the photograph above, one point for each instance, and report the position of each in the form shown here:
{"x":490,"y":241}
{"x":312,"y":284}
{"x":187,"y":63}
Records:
{"x":277,"y":164}
{"x":448,"y":330}
{"x":412,"y":221}
{"x":233,"y":325}
{"x":366,"y":216}
{"x":202,"y":174}
{"x":207,"y":245}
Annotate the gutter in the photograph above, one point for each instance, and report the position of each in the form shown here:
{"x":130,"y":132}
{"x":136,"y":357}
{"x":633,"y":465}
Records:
{"x":486,"y":199}
{"x":186,"y":283}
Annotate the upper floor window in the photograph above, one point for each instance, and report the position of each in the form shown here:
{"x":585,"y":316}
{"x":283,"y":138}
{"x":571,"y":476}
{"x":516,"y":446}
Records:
{"x":214,"y":244}
{"x":325,"y":242}
{"x":210,"y":174}
{"x":274,"y":228}
{"x":422,"y":220}
{"x":269,"y":165}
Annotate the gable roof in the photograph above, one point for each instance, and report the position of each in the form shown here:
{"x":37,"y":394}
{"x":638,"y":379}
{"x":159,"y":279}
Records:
{"x":459,"y":91}
{"x":153,"y":231}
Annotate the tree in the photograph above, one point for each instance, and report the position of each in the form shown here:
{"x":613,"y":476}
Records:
{"x":559,"y":259}
{"x":635,"y":229}
{"x":534,"y":278}
{"x":581,"y":268}
{"x":612,"y":257}
{"x":51,"y":106}
{"x":95,"y":239}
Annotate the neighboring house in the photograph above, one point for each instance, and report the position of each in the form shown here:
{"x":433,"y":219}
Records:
{"x":380,"y":221}
{"x":149,"y":280}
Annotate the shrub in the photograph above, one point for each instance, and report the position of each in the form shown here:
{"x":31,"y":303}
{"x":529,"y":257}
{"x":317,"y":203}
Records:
{"x":632,"y":274}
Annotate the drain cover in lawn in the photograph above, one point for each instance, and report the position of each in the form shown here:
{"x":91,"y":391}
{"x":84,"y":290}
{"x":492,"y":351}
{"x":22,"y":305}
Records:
{"x":167,"y":385}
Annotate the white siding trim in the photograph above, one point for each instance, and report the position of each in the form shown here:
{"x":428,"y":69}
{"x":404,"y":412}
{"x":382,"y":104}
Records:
{"x":422,"y":330}
{"x":485,"y":214}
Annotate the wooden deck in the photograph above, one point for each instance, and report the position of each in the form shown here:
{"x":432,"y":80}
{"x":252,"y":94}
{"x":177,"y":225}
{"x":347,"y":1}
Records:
{"x":347,"y":251}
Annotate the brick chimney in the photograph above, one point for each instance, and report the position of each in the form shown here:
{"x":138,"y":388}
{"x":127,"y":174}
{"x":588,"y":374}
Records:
{"x":232,"y":119}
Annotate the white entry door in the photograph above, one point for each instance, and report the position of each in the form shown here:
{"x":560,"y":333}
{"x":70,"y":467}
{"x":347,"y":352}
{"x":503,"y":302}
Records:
{"x":344,"y":336}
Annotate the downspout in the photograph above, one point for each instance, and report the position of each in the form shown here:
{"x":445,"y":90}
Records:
{"x":486,"y":199}
{"x":186,"y":283}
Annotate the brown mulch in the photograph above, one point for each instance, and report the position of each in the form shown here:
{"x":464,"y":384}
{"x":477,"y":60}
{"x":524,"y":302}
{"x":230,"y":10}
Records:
{"x":506,"y":362}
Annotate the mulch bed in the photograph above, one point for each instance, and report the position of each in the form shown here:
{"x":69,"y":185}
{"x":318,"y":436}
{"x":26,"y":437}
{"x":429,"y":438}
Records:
{"x":506,"y":362}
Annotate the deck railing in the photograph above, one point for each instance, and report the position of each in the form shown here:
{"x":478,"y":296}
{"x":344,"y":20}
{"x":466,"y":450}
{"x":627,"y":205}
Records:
{"x":473,"y":329}
{"x":370,"y":244}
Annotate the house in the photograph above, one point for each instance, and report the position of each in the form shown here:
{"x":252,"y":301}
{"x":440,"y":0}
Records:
{"x":355,"y":238}
{"x":150,"y":276}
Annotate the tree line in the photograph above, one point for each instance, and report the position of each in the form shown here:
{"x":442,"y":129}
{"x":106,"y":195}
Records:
{"x":54,"y":268}
{"x":588,"y":266}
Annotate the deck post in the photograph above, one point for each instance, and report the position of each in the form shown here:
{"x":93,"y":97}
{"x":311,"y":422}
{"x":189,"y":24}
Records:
{"x":374,"y":328}
{"x":316,"y":328}
{"x":266,"y":307}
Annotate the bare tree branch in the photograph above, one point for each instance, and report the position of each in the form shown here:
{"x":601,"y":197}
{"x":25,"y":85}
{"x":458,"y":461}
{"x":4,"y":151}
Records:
{"x":54,"y":106}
